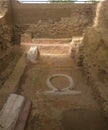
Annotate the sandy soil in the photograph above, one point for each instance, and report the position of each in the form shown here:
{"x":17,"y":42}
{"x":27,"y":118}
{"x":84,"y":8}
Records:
{"x":50,"y":112}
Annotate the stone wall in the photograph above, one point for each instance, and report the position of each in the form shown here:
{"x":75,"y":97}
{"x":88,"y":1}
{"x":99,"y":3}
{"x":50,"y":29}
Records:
{"x":53,"y":20}
{"x":32,"y":13}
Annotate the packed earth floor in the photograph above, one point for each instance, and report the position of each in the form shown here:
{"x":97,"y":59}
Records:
{"x":60,"y":112}
{"x":55,"y":111}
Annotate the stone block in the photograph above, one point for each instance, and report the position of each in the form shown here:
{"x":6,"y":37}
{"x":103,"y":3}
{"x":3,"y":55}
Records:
{"x":33,"y":54}
{"x":10,"y":112}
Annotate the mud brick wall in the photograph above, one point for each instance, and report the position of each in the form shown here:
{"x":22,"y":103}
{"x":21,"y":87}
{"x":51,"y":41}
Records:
{"x":53,"y":20}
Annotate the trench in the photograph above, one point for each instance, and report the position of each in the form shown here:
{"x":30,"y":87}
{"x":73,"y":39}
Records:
{"x":55,"y":111}
{"x":60,"y":112}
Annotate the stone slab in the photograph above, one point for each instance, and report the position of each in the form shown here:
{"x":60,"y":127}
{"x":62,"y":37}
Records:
{"x":48,"y":48}
{"x":10,"y":112}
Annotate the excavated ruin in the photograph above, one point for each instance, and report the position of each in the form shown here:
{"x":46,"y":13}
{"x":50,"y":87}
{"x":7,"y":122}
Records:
{"x":44,"y":48}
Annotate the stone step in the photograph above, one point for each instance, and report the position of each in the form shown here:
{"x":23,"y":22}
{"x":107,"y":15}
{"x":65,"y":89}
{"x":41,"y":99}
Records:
{"x":48,"y":48}
{"x":52,"y":40}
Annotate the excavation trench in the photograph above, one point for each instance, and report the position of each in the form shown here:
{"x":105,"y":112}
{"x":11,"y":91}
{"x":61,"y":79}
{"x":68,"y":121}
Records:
{"x":59,"y":109}
{"x":55,"y":111}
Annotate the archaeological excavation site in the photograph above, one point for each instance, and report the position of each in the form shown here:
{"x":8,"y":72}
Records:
{"x":53,"y":65}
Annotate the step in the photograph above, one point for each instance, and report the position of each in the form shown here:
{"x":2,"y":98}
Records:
{"x":57,"y":48}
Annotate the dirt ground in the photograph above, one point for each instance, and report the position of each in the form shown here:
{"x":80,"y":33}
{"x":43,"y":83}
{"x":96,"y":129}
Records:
{"x":60,"y":112}
{"x":63,"y":112}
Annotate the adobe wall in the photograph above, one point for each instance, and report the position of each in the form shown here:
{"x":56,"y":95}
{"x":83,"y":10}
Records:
{"x":32,"y":13}
{"x":53,"y":20}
